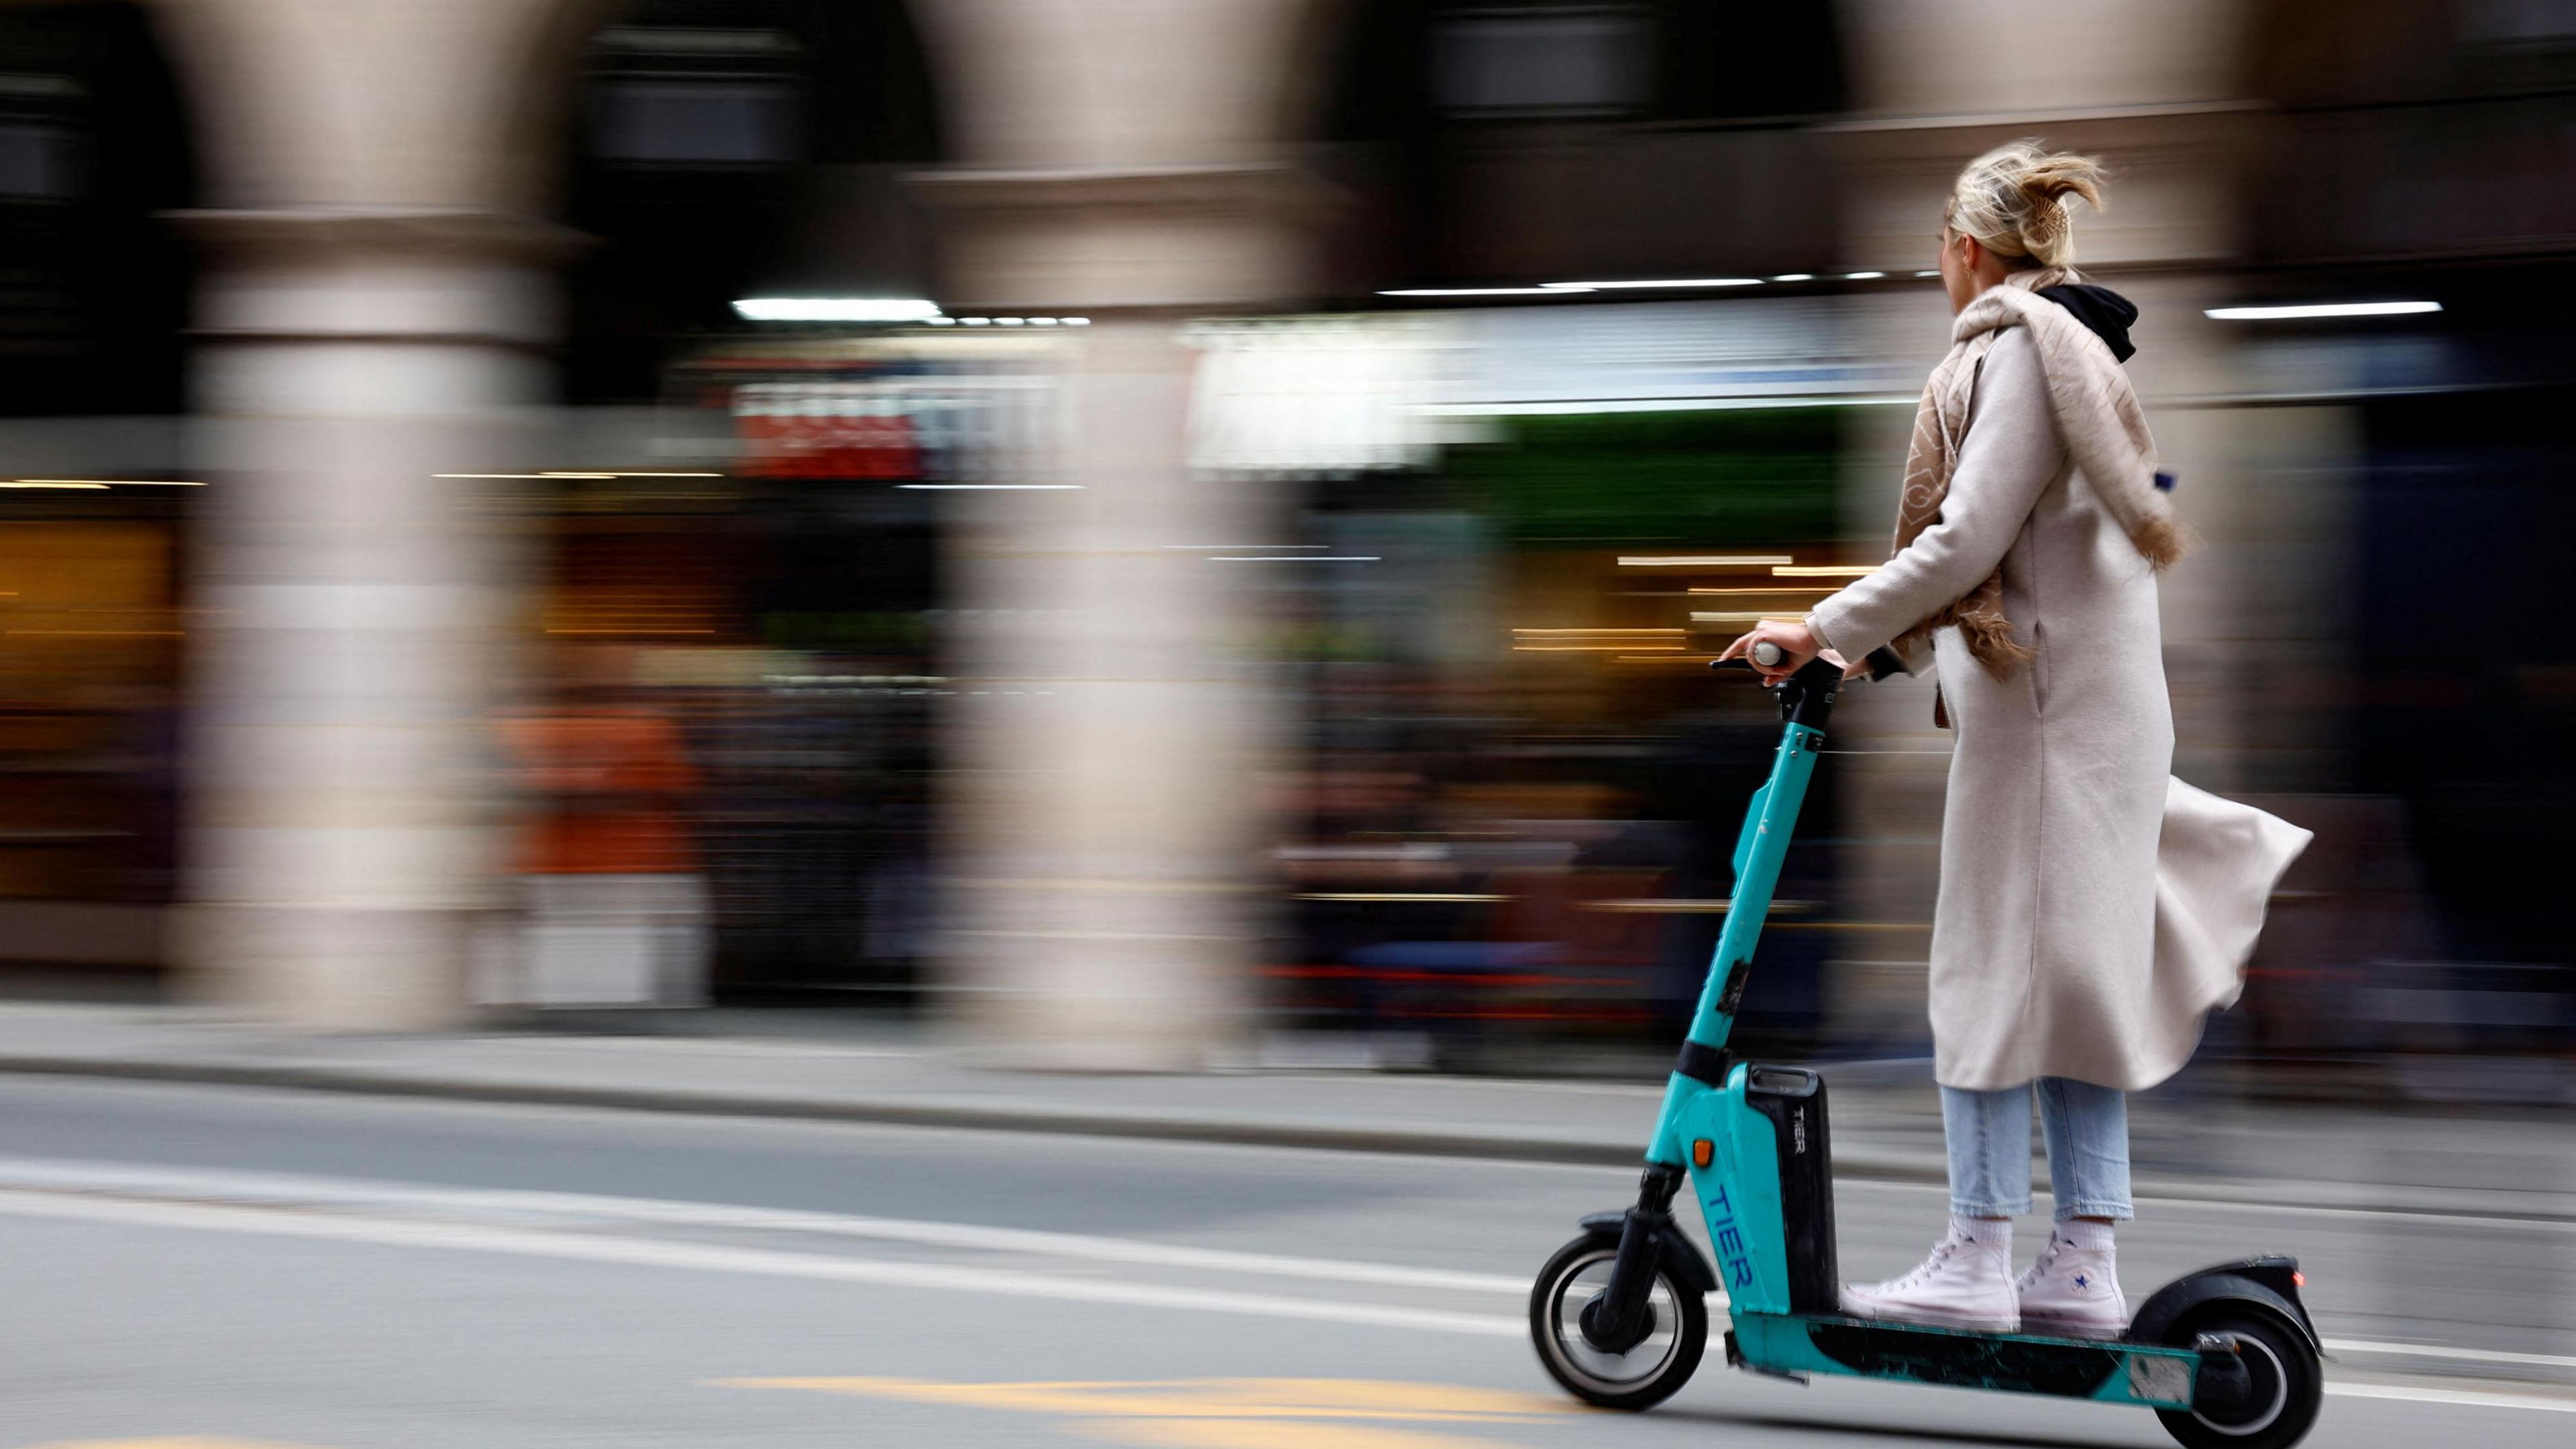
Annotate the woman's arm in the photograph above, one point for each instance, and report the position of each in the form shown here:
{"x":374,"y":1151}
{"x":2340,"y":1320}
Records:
{"x":2006,"y":461}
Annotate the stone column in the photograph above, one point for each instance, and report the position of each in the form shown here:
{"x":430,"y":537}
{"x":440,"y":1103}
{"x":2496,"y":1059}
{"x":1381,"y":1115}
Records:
{"x":349,"y":602}
{"x":1106,"y":738}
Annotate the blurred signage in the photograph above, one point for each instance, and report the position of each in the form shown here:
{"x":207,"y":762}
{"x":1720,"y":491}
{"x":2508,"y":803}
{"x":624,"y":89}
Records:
{"x":827,"y":429}
{"x":1323,"y":396}
{"x":872,"y":422}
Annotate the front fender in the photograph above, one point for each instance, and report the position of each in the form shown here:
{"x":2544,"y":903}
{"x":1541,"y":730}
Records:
{"x":1673,"y":1247}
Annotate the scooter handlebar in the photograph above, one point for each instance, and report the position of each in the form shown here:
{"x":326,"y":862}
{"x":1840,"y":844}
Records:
{"x":1880,"y":664}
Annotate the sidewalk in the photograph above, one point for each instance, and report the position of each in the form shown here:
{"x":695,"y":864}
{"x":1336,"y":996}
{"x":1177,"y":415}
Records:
{"x":2188,"y":1140}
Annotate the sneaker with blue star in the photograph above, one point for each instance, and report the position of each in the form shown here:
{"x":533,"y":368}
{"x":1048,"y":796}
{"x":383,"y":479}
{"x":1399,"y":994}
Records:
{"x":2074,"y":1288}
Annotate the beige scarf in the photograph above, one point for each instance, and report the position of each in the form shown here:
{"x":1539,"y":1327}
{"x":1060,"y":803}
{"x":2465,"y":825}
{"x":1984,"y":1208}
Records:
{"x":2097,"y":415}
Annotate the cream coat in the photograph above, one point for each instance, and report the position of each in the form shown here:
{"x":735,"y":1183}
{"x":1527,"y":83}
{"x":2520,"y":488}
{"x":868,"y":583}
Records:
{"x":2092,"y":908}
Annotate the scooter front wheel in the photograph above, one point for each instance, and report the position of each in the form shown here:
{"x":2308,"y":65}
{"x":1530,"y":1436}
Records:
{"x":1644,"y":1376}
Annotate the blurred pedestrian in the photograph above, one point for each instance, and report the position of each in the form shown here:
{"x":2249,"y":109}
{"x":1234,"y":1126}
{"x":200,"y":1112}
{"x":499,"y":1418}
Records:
{"x":615,"y":901}
{"x":2092,"y":908}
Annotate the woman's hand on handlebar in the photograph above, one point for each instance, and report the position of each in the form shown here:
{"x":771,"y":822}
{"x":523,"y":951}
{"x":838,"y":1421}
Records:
{"x":1797,"y":645}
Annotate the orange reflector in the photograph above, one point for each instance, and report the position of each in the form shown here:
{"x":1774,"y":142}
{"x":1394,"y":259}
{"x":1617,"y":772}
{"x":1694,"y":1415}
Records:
{"x":1702,"y":1150}
{"x":2298,"y":1279}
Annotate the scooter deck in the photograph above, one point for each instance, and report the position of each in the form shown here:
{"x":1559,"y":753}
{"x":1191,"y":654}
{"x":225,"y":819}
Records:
{"x":2104,"y":1370}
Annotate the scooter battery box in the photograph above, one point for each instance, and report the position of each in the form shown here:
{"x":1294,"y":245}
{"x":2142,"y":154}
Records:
{"x":1793,"y":1098}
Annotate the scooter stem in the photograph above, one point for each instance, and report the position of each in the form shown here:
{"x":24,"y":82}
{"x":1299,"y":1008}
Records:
{"x":1617,"y":1320}
{"x":1806,"y":704}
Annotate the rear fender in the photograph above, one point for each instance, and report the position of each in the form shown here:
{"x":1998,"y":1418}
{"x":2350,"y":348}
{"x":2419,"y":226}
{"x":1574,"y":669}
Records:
{"x":1673,"y":1248}
{"x":2269,"y":1281}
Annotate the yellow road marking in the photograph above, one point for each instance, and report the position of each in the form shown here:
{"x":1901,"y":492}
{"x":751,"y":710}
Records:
{"x":1264,"y":1434}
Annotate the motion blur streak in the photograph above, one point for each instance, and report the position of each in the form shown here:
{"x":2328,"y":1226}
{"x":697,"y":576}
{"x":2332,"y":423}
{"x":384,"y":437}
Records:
{"x":1152,"y":568}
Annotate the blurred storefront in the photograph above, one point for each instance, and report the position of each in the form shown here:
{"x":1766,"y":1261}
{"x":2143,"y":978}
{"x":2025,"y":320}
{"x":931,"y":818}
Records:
{"x":1521,"y":537}
{"x":1250,"y":589}
{"x":95,"y":490}
{"x":781,"y":599}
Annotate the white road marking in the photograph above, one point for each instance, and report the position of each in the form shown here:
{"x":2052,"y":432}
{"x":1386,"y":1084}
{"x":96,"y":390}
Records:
{"x":2436,"y":1350}
{"x":204,"y":1185}
{"x":2466,"y":1397}
{"x":392,"y":1212}
{"x":659,"y":1253}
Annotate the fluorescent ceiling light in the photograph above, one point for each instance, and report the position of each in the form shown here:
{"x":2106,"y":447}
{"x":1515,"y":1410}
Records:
{"x":1702,"y":561}
{"x":1567,"y":289}
{"x":1932,"y":273}
{"x":1795,"y":277}
{"x":1674,"y":282}
{"x":1862,"y":276}
{"x":835,"y":309}
{"x":1824,"y":571}
{"x":2321,"y":309}
{"x":1573,"y":406}
{"x":1553,"y":290}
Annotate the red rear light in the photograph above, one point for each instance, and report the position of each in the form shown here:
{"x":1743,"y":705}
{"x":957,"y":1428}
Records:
{"x":2298,"y":1279}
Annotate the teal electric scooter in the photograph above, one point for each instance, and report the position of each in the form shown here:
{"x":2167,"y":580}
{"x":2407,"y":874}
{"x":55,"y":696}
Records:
{"x":2226,"y":1356}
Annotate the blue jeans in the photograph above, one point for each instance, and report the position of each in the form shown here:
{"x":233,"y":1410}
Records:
{"x":2088,"y":1149}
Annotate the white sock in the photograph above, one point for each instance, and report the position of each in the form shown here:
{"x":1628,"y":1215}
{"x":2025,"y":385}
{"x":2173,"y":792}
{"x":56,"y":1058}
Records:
{"x":1997,"y":1231}
{"x":2089,"y":1237}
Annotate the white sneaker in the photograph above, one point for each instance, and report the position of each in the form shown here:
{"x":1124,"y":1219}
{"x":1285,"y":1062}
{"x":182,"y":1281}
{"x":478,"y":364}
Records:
{"x":1964,"y":1284}
{"x":2074,"y":1292}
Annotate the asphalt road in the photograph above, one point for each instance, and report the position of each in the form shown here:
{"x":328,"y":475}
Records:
{"x":220,"y":1268}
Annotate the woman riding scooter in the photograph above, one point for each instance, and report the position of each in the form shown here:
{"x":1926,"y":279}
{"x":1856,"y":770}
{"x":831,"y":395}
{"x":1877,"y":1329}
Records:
{"x":2092,"y":909}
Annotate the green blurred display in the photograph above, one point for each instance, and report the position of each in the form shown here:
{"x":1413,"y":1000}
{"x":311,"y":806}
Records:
{"x":1740,"y":476}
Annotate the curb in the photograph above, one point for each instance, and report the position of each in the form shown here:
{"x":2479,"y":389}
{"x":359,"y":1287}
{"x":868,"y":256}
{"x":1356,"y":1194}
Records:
{"x":1417,"y":1140}
{"x":895,"y":1112}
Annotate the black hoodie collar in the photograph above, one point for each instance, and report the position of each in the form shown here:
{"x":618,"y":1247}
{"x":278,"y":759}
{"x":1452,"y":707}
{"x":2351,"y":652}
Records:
{"x":2105,"y":311}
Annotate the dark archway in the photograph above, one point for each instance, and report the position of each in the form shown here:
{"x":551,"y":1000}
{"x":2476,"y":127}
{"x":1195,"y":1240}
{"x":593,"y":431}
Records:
{"x":95,"y":282}
{"x":725,"y":147}
{"x":776,"y":611}
{"x":2420,"y":152}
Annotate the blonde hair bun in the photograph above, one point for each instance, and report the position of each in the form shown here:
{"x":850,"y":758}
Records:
{"x":2013,"y":200}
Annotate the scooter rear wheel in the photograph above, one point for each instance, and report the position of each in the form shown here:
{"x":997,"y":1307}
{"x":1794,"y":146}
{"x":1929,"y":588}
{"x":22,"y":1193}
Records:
{"x":1645,"y":1375}
{"x":2288,"y":1385}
